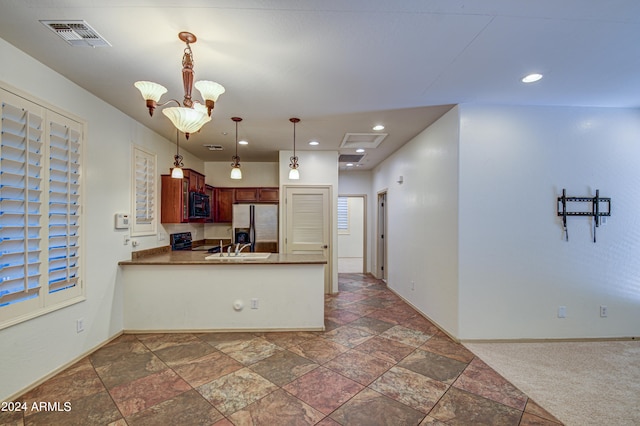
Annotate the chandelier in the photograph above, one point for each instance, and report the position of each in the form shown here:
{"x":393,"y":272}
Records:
{"x":191,"y":115}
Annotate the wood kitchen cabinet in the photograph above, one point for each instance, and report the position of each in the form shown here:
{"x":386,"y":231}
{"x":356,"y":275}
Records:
{"x":268,"y":195}
{"x":174,"y":200}
{"x":210,"y":192}
{"x":196,"y":180}
{"x":246,"y":195}
{"x":256,"y":195}
{"x":223,"y":200}
{"x":174,"y":197}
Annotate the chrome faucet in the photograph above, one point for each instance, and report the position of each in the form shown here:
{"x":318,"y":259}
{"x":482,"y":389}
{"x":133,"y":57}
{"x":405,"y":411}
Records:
{"x":240,"y":248}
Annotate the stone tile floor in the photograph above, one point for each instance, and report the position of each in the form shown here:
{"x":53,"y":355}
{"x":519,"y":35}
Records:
{"x":377,"y":363}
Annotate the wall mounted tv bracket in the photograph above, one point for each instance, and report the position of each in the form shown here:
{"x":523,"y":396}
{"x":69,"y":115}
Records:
{"x":596,"y":210}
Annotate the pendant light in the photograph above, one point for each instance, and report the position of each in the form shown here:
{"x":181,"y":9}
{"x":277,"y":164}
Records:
{"x":176,"y":172}
{"x":294,"y":174}
{"x":236,"y":173}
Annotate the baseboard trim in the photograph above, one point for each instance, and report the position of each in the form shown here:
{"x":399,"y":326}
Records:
{"x":62,"y":368}
{"x":553,"y":340}
{"x":225,"y":330}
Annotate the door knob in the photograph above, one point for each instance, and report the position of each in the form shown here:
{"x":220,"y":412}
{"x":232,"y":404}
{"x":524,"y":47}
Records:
{"x":325,"y":246}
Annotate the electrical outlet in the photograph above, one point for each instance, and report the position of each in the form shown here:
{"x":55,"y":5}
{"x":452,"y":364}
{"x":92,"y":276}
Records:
{"x":562,"y":311}
{"x":604,"y":311}
{"x":161,"y":236}
{"x":254,"y":303}
{"x":126,"y":239}
{"x":80,"y":325}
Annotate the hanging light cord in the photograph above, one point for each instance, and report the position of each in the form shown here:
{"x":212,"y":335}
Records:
{"x":294,"y":159}
{"x":235,"y":158}
{"x":177,"y":157}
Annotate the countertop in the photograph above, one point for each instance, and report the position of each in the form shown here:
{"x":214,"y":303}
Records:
{"x":198,"y":258}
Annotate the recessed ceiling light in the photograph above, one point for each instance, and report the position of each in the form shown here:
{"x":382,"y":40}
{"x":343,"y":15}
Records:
{"x":314,"y":143}
{"x":531,"y":78}
{"x":243,"y":142}
{"x":378,"y":127}
{"x":360,"y":150}
{"x":349,"y":164}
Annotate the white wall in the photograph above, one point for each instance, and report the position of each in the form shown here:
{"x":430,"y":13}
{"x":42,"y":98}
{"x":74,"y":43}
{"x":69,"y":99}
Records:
{"x":422,"y":213}
{"x":253,"y":174}
{"x":515,"y":267}
{"x":316,"y":168}
{"x":35,"y":348}
{"x":359,"y":182}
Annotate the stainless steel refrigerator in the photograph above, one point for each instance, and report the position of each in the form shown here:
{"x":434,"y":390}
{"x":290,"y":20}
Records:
{"x":256,"y":224}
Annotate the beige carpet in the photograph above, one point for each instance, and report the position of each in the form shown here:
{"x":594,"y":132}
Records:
{"x":580,"y":383}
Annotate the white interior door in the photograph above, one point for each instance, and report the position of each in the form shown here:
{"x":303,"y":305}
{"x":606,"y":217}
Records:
{"x":307,"y":224}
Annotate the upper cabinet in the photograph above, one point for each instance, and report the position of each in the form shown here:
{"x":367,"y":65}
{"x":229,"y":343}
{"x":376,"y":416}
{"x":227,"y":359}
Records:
{"x":174,"y":197}
{"x":196,"y":180}
{"x":174,"y":200}
{"x":268,"y":195}
{"x":246,"y":195}
{"x":223,"y":205}
{"x":256,"y":195}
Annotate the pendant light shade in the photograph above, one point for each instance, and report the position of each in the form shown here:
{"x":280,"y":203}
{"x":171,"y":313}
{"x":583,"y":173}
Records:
{"x":236,"y":173}
{"x":177,"y":173}
{"x":294,"y":174}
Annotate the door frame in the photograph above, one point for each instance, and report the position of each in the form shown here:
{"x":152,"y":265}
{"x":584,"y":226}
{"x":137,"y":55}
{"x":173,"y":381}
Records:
{"x":365,"y":263}
{"x":331,"y":211}
{"x":382,"y":270}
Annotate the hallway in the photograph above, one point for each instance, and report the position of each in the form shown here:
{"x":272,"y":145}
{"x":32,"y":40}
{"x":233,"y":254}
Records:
{"x":377,"y":363}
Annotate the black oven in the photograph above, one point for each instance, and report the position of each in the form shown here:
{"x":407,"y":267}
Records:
{"x":199,"y":205}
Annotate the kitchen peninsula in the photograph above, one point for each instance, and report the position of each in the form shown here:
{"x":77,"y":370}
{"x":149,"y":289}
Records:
{"x":183,"y":291}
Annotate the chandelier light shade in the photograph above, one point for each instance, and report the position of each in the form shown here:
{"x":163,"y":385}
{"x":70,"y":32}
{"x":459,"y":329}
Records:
{"x":177,"y":172}
{"x":294,"y":174}
{"x":189,"y":116}
{"x":187,"y":120}
{"x":236,"y":173}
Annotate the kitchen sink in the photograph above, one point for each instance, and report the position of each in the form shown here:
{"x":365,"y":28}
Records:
{"x":241,"y":257}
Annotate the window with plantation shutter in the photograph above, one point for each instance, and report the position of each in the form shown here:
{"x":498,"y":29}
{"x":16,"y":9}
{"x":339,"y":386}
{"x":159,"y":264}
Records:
{"x":343,"y":215}
{"x":40,"y":209}
{"x":143,"y":193}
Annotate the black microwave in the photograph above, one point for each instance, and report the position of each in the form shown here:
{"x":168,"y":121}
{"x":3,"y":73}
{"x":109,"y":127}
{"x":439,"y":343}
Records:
{"x":199,"y":205}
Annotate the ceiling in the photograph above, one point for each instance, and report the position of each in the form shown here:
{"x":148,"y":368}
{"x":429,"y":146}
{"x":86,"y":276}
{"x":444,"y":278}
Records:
{"x":340,"y":66}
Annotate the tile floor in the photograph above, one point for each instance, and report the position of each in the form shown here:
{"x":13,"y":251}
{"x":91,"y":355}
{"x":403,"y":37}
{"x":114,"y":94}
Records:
{"x":377,"y":363}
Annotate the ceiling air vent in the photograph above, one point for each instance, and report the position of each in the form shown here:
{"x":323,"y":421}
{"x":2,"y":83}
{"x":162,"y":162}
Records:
{"x":350,"y":158}
{"x":362,"y":140}
{"x":77,"y":33}
{"x":213,"y":147}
